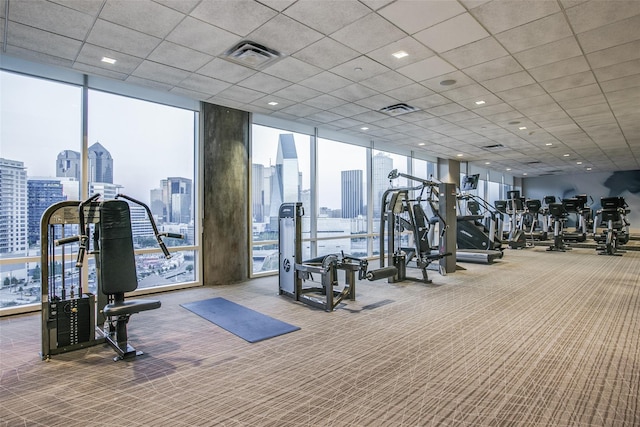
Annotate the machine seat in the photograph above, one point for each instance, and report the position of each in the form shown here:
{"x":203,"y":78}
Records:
{"x":123,"y":308}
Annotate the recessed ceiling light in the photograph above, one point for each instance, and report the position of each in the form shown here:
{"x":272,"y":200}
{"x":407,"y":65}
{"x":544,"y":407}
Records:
{"x":357,"y":69}
{"x":524,"y":173}
{"x":448,"y":82}
{"x":459,"y":155}
{"x":364,"y":128}
{"x":565,"y":155}
{"x":400,"y":54}
{"x":588,"y":169}
{"x":421,"y":144}
{"x":487,"y":163}
{"x":522,"y":128}
{"x":480,"y":102}
{"x":548,"y":144}
{"x":508,"y":169}
{"x":273,"y":103}
{"x":578,"y":163}
{"x":108,"y":60}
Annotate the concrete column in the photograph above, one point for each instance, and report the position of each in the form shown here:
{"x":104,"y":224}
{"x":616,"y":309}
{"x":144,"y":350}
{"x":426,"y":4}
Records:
{"x":225,"y":226}
{"x":449,"y":171}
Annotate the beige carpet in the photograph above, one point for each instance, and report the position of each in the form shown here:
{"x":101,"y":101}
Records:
{"x":538,"y":339}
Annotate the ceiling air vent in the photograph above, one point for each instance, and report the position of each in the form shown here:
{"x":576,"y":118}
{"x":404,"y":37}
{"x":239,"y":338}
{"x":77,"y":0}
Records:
{"x":251,"y":54}
{"x":494,"y":146}
{"x":534,"y":162}
{"x":398,"y":109}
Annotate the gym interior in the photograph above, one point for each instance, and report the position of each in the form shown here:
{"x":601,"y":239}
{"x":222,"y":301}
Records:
{"x":325,"y":262}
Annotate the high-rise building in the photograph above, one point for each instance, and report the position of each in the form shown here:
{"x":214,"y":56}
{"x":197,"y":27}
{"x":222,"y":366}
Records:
{"x":286,"y":183}
{"x":41,"y":193}
{"x":382,"y":165}
{"x":257,"y":192}
{"x":351,"y":186}
{"x":177,"y":199}
{"x":100,"y":164}
{"x":68,"y":164}
{"x":13,"y":206}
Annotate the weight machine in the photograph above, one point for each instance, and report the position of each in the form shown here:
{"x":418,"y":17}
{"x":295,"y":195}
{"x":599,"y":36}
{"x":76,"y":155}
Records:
{"x":296,"y":277}
{"x":73,"y":315}
{"x":400,"y":212}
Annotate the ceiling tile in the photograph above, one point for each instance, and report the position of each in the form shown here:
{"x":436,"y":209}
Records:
{"x":287,"y":42}
{"x":325,"y":82}
{"x":594,"y":14}
{"x":297,"y":93}
{"x":413,"y":16}
{"x":521,"y":92}
{"x":498,"y":16}
{"x":354,"y":92}
{"x":508,"y":82}
{"x":51,"y":44}
{"x":99,"y":71}
{"x":325,"y":102}
{"x":198,"y":35}
{"x":240,"y":94}
{"x":416,"y":52}
{"x":610,"y":35}
{"x":495,"y":68}
{"x":239,"y":16}
{"x":549,"y":53}
{"x":326,"y":53}
{"x":559,"y":69}
{"x":474,"y":91}
{"x":292,"y":69}
{"x":184,"y":6}
{"x":426,"y":69}
{"x":178,"y":56}
{"x":617,"y":71}
{"x":91,"y":55}
{"x":409,"y":92}
{"x":119,"y":38}
{"x":204,"y":84}
{"x":51,"y":17}
{"x":368,"y":33}
{"x":135,"y":15}
{"x":327,"y":16}
{"x":447,"y":35}
{"x":264,"y":83}
{"x":225,"y":70}
{"x":475,"y":53}
{"x":536,"y":33}
{"x":160,"y":73}
{"x":385,"y":82}
{"x":615,"y":55}
{"x":359,"y":68}
{"x":568,"y":82}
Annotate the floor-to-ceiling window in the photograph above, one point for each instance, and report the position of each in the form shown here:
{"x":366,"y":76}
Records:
{"x":280,"y":172}
{"x":146,"y":151}
{"x":342,"y":198}
{"x":141,"y":148}
{"x":39,"y":165}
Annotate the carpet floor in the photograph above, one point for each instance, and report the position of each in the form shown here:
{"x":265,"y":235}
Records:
{"x":536,"y":339}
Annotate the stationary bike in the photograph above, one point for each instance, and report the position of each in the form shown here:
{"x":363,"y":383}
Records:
{"x":616,"y":233}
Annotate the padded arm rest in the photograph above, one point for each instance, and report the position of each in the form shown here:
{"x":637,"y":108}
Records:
{"x":130,"y":307}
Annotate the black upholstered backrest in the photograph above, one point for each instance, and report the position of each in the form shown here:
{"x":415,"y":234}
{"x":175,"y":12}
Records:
{"x":117,"y":261}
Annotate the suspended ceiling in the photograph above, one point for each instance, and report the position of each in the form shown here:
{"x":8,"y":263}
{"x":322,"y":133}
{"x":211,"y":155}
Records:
{"x":536,"y":87}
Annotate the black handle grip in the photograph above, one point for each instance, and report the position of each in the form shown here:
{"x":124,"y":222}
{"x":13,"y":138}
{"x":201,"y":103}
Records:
{"x":173,"y":235}
{"x":66,"y":240}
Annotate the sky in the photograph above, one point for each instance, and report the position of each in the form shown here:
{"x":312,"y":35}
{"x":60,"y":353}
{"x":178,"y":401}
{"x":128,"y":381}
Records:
{"x":147,"y":141}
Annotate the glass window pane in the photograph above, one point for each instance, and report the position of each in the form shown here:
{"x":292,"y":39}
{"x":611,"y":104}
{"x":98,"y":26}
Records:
{"x":281,"y":172}
{"x":41,"y":125}
{"x":146,"y":151}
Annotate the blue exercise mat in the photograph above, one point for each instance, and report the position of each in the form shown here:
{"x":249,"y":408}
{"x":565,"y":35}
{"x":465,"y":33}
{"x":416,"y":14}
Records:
{"x":239,"y":320}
